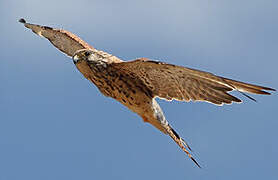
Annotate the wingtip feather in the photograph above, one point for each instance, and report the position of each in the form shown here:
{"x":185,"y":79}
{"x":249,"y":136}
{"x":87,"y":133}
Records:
{"x":246,"y":87}
{"x":22,"y":20}
{"x":268,"y":89}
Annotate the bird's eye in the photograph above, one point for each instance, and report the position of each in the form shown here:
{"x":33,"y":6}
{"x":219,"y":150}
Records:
{"x":87,"y":53}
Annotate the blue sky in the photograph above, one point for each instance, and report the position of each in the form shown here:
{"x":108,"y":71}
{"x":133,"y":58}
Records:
{"x":54,"y":124}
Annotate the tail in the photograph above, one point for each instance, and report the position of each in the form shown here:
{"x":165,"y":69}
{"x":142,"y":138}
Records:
{"x":182,"y":144}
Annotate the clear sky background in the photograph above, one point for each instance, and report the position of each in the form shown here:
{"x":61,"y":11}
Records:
{"x":54,"y":124}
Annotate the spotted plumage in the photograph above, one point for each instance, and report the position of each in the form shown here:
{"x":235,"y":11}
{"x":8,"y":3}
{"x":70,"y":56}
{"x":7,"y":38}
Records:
{"x":137,"y":83}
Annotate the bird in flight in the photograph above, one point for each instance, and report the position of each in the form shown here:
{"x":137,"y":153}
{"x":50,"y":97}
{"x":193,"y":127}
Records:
{"x":137,"y":83}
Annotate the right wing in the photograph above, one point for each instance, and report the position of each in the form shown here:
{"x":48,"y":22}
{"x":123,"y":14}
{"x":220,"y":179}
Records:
{"x":170,"y":82}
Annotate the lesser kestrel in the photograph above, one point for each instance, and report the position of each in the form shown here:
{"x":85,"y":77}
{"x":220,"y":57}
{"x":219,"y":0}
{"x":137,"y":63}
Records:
{"x":137,"y":83}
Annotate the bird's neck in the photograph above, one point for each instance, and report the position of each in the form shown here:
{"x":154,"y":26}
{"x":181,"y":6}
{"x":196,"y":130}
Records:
{"x":109,"y":58}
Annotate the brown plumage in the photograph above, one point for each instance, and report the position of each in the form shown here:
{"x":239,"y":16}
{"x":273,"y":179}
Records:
{"x":137,"y":83}
{"x":65,"y":41}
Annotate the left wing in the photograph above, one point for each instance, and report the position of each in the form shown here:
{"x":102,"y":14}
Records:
{"x":64,"y":40}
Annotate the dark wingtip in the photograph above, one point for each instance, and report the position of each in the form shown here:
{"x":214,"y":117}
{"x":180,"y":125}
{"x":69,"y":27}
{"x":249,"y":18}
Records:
{"x":268,"y":89}
{"x":253,"y":99}
{"x":22,"y":21}
{"x":265,"y":93}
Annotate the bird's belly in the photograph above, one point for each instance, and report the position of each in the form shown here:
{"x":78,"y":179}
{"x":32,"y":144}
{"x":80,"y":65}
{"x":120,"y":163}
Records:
{"x":138,"y":103}
{"x":131,"y":94}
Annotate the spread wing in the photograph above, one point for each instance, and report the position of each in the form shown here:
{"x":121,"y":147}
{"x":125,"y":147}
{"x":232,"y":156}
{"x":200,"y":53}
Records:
{"x":64,"y":40}
{"x":170,"y":82}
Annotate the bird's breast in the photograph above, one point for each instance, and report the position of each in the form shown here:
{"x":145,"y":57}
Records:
{"x":123,"y":87}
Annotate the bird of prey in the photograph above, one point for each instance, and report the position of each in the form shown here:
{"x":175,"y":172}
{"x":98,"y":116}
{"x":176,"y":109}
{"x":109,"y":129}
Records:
{"x":137,"y":83}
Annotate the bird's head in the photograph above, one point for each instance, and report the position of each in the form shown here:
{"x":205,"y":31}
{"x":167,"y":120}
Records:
{"x":83,"y":54}
{"x":97,"y":59}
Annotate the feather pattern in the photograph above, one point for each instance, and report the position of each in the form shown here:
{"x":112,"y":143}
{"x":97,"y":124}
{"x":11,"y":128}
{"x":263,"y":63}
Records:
{"x":170,"y":82}
{"x":136,"y":83}
{"x":64,"y":40}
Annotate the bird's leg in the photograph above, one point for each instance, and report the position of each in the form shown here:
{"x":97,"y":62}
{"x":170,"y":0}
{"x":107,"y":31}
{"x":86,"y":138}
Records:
{"x":182,"y":144}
